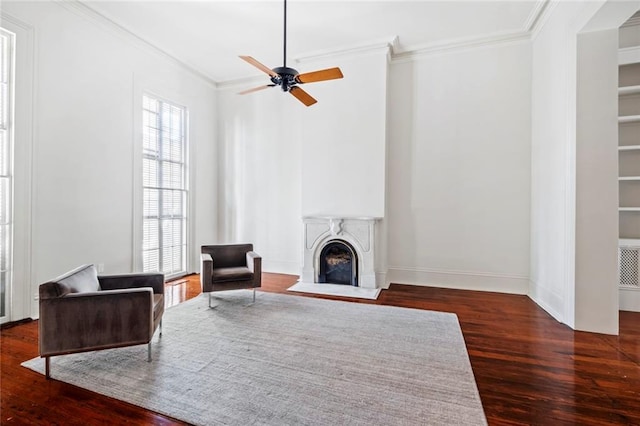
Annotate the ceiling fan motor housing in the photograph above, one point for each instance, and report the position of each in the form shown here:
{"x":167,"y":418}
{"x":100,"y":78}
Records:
{"x":286,"y":78}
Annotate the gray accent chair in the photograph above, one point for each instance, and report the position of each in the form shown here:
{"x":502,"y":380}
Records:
{"x":230,"y":267}
{"x":81,"y":311}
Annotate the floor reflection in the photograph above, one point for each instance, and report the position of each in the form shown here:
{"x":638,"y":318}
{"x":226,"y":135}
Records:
{"x":180,"y":290}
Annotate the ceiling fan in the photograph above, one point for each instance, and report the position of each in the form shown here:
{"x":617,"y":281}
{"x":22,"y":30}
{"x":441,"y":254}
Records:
{"x":288,"y":78}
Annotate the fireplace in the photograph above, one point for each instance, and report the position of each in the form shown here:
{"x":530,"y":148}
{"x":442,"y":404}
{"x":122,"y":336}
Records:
{"x":341,"y":251}
{"x":338,"y":263}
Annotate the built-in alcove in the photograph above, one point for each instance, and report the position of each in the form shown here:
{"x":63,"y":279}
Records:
{"x":629,"y":164}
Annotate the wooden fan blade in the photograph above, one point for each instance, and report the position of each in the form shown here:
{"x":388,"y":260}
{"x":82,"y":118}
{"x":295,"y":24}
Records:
{"x":255,"y":89}
{"x":258,"y":65}
{"x":322,"y":75}
{"x":302,"y":96}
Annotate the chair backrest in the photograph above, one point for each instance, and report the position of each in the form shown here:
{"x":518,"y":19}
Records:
{"x":228,"y":255}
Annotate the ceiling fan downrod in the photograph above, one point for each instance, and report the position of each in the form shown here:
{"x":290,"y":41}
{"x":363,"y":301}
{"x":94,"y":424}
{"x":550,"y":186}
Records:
{"x":286,"y":76}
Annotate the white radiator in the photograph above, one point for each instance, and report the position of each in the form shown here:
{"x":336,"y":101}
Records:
{"x":629,"y":263}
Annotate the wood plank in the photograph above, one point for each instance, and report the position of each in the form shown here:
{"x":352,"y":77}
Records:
{"x":530,"y":369}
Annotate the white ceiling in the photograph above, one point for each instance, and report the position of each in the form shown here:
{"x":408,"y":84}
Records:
{"x":208,"y":36}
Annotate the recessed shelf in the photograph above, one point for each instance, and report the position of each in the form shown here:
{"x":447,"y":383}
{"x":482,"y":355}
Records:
{"x":629,"y":148}
{"x":629,"y":119}
{"x":629,"y":144}
{"x":629,"y":90}
{"x":629,"y":55}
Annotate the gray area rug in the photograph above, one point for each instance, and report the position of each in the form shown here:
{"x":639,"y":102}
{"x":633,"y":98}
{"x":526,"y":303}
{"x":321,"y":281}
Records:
{"x":290,"y":360}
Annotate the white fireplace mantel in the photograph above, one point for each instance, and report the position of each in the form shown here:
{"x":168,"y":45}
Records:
{"x":359,"y":232}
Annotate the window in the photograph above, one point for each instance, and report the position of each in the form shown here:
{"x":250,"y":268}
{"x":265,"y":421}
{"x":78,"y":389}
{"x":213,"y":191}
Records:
{"x":7,"y":46}
{"x":165,"y":189}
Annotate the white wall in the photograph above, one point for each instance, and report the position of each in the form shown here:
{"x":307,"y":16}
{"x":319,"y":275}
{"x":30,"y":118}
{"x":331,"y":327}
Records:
{"x":553,"y":153}
{"x":343,"y":138}
{"x":597,"y":182}
{"x":459,"y":169}
{"x":259,"y":170}
{"x":280,"y":160}
{"x":87,"y":86}
{"x":552,"y":211}
{"x":447,"y":157}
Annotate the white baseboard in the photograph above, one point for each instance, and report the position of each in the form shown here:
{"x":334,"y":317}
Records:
{"x":462,"y":280}
{"x":547,"y":300}
{"x":629,"y":299}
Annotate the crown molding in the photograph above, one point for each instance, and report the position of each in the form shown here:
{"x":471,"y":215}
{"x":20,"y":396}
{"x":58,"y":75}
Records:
{"x":461,"y":44}
{"x":4,"y":16}
{"x":243,"y":82}
{"x":534,"y":17}
{"x":390,"y":45}
{"x":543,"y":16}
{"x":386,"y":45}
{"x":86,"y":11}
{"x":539,"y":17}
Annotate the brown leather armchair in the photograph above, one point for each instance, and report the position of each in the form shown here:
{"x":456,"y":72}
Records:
{"x":230,"y":267}
{"x":81,"y":311}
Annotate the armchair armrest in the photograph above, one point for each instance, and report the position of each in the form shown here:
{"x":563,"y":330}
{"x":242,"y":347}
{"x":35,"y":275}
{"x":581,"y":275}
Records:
{"x":206,"y":257}
{"x":254,"y":263}
{"x":206,"y":272}
{"x":50,"y":290}
{"x":135,"y":280}
{"x":95,"y":320}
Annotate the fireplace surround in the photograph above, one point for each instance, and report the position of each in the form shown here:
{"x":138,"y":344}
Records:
{"x":356,"y":234}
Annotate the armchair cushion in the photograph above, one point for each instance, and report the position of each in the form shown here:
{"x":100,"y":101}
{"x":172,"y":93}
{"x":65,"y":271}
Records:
{"x":80,"y":280}
{"x":233,"y":273}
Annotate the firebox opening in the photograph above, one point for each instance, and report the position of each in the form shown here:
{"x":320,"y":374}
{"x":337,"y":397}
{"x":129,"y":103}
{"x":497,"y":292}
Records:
{"x":338,"y":264}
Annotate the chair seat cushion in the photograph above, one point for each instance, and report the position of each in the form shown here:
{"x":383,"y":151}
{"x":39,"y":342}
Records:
{"x":235,"y":273}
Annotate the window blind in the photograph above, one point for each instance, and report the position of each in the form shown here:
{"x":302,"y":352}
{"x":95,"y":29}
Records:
{"x":165,"y":190}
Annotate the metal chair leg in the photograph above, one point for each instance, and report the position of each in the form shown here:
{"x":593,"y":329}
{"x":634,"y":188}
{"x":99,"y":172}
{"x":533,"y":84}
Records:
{"x":46,"y":367}
{"x":254,"y":295}
{"x":149,"y":352}
{"x":210,"y":300}
{"x":161,"y":327}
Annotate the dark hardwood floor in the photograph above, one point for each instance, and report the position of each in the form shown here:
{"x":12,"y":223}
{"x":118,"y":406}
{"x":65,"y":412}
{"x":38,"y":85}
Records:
{"x":529,"y":368}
